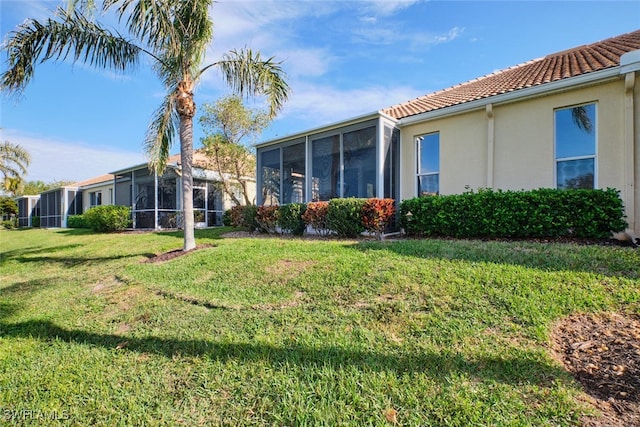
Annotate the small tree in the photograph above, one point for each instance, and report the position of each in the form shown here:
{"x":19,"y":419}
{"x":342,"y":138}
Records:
{"x":14,"y":160}
{"x":8,"y":207}
{"x":232,"y":127}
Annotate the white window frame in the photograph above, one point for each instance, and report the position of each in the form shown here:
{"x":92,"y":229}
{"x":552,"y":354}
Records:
{"x":418,"y":139}
{"x":593,"y":156}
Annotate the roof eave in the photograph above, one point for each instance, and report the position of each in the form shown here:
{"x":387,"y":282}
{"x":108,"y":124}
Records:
{"x":326,"y":128}
{"x":588,"y":79}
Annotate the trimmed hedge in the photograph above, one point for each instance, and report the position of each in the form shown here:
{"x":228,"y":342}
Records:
{"x":267,"y":217}
{"x":316,"y":216}
{"x":35,"y":221}
{"x":377,"y":215}
{"x":241,"y":216}
{"x":108,"y":218}
{"x":76,"y":221}
{"x":496,"y":213}
{"x":344,"y":216}
{"x":290,"y":218}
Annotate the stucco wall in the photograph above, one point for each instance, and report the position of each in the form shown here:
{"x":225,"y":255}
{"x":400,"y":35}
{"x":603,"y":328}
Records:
{"x":524,"y":152}
{"x":86,"y":201}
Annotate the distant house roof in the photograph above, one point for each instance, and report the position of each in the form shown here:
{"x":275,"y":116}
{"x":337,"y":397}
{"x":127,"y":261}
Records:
{"x":569,"y":63}
{"x":95,"y":180}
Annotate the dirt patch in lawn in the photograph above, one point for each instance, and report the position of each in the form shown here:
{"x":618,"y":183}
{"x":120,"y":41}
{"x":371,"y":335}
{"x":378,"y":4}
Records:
{"x":602,"y":352}
{"x":175,"y":253}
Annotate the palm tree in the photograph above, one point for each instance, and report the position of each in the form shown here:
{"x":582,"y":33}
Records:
{"x":173,"y":35}
{"x":14,"y":161}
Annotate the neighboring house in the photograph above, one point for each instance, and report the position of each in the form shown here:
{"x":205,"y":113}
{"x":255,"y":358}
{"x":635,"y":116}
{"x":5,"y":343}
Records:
{"x":58,"y":204}
{"x":96,"y":191}
{"x":155,"y":200}
{"x":568,"y":120}
{"x":28,"y":207}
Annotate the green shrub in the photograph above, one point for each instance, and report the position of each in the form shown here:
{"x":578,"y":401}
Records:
{"x":76,"y":221}
{"x":242,"y":216}
{"x":35,"y":221}
{"x":377,"y":215}
{"x":267,"y":218}
{"x":536,"y":213}
{"x":250,"y":213}
{"x":226,"y":218}
{"x":9,"y":224}
{"x":290,"y":218}
{"x":108,"y":218}
{"x":344,"y":216}
{"x":316,"y":216}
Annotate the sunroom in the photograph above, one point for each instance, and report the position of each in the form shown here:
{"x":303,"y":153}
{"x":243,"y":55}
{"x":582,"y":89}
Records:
{"x":355,"y":158}
{"x":156,"y":200}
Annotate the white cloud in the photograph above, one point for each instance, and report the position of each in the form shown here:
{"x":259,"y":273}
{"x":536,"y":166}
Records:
{"x":53,"y":160}
{"x":387,"y":7}
{"x":321,"y":104}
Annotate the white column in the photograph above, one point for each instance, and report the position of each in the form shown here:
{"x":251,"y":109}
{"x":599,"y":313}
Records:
{"x":490,"y":144}
{"x":629,"y":192}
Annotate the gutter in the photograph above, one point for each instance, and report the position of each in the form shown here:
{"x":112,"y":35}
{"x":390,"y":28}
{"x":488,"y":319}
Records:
{"x":326,"y":128}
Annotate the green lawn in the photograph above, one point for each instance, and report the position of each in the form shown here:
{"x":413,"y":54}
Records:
{"x":294,"y":332}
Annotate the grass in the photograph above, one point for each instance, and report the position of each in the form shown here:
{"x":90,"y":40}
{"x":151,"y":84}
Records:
{"x":294,"y":332}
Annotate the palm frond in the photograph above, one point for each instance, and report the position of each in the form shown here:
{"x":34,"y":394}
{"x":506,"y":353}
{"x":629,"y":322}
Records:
{"x":74,"y":35}
{"x":581,"y":118}
{"x":247,"y":74}
{"x":161,"y":134}
{"x":14,"y":160}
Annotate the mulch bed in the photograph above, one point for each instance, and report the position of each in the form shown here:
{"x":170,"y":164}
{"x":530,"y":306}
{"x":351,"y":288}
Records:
{"x":602,"y":352}
{"x":168,"y":256}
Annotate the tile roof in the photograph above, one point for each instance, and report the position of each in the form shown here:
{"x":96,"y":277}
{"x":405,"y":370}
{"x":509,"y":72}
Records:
{"x":94,"y":180}
{"x":561,"y":65}
{"x":199,"y":159}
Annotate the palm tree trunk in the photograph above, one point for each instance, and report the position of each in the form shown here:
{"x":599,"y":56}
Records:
{"x":186,"y":157}
{"x":186,"y":109}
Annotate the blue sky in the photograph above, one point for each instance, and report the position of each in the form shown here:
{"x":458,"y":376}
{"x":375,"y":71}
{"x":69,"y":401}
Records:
{"x":342,"y":59}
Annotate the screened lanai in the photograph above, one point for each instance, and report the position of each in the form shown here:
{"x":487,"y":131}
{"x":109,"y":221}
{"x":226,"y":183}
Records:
{"x":155,"y":200}
{"x":358,"y":158}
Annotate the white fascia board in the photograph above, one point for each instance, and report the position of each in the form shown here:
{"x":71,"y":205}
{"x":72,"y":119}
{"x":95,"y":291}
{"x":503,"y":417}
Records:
{"x":630,"y":62}
{"x":516,"y":95}
{"x":140,"y":166}
{"x":320,"y":129}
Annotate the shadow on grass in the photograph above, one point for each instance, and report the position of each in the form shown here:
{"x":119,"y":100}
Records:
{"x":19,"y":253}
{"x":71,"y":261}
{"x":609,"y":261}
{"x":518,"y":370}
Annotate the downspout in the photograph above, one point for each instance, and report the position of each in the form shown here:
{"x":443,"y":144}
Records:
{"x":490,"y":144}
{"x":630,"y":197}
{"x":629,"y":65}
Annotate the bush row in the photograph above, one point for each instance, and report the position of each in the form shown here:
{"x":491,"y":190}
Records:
{"x":102,"y":218}
{"x":345,"y":217}
{"x":536,"y":213}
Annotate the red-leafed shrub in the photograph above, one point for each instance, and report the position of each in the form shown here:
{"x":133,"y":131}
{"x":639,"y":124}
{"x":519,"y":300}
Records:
{"x":377,"y":215}
{"x":316,"y":216}
{"x":267,"y":219}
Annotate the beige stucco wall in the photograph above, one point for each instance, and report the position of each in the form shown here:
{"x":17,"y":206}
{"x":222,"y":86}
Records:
{"x":86,"y":201}
{"x":524,"y":156}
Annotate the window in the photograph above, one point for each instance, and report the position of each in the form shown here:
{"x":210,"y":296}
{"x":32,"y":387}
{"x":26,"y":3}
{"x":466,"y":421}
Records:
{"x":344,"y":165}
{"x":95,"y":198}
{"x":428,"y":154}
{"x":575,"y":137}
{"x":359,"y":158}
{"x":325,"y":161}
{"x":270,"y":175}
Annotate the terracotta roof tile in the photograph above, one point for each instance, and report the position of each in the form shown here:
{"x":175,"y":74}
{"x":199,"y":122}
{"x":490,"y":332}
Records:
{"x":94,"y":180}
{"x":561,"y":65}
